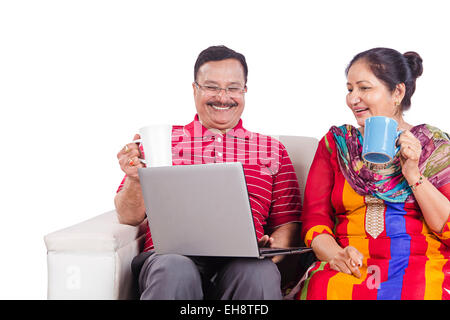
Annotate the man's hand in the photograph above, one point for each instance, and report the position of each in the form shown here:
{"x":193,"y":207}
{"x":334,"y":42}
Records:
{"x":284,"y":236}
{"x":129,"y":157}
{"x":129,"y":201}
{"x":265,"y":241}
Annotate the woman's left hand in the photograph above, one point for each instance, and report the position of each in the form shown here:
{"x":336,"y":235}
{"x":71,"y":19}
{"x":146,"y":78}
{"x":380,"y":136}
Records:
{"x":410,"y":151}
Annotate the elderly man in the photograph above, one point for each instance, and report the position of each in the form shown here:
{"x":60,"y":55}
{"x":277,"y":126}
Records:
{"x":217,"y":135}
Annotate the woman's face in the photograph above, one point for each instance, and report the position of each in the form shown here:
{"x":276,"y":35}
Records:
{"x":368,"y":96}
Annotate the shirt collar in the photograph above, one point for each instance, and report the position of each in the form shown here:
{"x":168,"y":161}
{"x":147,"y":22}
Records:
{"x":196,"y":130}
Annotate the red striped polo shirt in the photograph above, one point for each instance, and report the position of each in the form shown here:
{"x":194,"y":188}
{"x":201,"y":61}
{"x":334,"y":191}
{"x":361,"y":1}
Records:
{"x":271,"y":180}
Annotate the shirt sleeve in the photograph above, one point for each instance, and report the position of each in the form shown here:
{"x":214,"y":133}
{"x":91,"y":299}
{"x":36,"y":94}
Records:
{"x":318,"y":215}
{"x":121,"y":184}
{"x":286,"y":201}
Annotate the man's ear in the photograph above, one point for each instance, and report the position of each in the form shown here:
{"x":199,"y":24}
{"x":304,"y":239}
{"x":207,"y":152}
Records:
{"x":194,"y":88}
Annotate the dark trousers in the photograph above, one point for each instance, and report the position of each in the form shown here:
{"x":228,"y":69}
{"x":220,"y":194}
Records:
{"x":172,"y":276}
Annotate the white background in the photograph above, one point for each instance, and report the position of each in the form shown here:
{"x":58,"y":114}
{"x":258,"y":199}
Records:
{"x":78,"y":78}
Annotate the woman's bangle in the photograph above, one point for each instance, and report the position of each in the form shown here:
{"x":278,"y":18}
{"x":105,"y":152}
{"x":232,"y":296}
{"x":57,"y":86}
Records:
{"x":415,"y":185}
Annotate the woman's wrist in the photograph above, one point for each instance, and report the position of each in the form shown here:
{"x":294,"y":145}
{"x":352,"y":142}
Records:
{"x":413,"y":176}
{"x":325,"y":247}
{"x":417,"y":183}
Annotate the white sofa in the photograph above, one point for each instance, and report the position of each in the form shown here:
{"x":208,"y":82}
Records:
{"x":92,"y":259}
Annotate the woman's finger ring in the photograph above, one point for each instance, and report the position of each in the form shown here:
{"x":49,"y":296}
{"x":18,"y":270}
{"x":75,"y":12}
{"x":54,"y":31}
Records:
{"x":125,"y":149}
{"x":131,"y":162}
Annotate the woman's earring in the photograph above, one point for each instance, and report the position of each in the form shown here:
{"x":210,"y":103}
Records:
{"x":397,"y":108}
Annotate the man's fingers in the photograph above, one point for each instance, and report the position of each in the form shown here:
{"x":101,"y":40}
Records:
{"x":130,"y":149}
{"x":129,"y":160}
{"x":130,"y":165}
{"x":263,"y":241}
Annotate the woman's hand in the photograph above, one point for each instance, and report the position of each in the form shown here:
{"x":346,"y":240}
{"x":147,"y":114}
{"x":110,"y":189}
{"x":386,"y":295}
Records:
{"x":434,"y":205}
{"x":410,"y":151}
{"x":347,"y":260}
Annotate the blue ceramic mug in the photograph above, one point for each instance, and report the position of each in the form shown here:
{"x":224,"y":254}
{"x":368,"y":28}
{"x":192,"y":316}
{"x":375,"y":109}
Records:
{"x":380,"y":138}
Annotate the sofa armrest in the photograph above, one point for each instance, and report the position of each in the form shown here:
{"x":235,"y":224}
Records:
{"x":99,"y":234}
{"x":92,"y":259}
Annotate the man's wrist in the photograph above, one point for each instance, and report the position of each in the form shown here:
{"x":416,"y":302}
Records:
{"x":132,"y":183}
{"x":131,"y":193}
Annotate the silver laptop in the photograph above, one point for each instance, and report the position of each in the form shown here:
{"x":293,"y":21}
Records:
{"x":202,"y":210}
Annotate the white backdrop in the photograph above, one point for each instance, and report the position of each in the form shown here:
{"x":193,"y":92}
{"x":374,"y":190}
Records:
{"x":78,"y":78}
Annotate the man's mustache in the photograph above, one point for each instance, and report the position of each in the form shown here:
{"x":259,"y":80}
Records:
{"x":221,"y":104}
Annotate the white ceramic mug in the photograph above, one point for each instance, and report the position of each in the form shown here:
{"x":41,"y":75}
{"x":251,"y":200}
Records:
{"x":156,"y":141}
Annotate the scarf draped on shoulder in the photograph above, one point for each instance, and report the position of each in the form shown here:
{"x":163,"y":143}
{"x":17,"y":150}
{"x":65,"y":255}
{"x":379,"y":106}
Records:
{"x":387,"y":182}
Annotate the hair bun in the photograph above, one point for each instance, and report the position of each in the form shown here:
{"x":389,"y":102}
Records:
{"x":415,"y":63}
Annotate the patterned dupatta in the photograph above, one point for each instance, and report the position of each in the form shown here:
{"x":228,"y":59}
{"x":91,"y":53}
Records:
{"x":387,"y":182}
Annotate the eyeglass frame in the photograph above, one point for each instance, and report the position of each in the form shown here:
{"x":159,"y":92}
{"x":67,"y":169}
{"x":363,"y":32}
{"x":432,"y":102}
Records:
{"x":217,"y":90}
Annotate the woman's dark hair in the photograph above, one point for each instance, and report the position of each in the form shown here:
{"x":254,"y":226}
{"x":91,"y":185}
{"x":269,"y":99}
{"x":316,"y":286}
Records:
{"x":218,"y":53}
{"x":392,"y":68}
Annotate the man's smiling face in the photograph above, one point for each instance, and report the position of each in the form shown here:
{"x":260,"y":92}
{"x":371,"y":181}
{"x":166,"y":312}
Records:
{"x":220,"y":110}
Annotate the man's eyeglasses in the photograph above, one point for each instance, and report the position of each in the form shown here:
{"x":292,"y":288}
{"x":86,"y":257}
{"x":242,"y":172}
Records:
{"x":215,"y":90}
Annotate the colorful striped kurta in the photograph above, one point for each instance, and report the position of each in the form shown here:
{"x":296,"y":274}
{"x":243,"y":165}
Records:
{"x":406,"y":261}
{"x":272,"y":184}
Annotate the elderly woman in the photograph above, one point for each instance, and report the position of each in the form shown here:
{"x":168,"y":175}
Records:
{"x":379,"y":231}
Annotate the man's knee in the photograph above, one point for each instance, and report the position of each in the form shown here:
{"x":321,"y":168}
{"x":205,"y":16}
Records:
{"x":170,"y":276}
{"x":255,"y":271}
{"x":174,"y":266}
{"x":251,"y":279}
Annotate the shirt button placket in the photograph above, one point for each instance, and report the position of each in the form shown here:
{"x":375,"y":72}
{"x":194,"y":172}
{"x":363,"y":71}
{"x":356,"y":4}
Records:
{"x":218,"y":149}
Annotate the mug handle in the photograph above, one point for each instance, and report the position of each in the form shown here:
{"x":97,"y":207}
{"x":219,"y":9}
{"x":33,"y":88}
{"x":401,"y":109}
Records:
{"x":139,"y":141}
{"x":397,"y":149}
